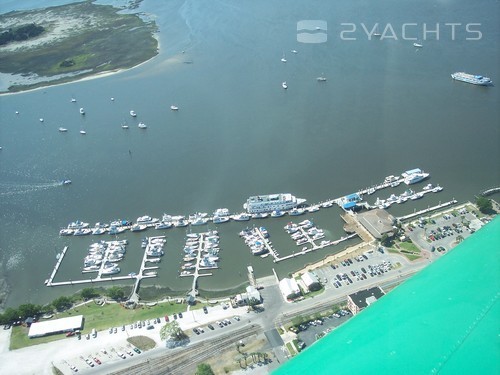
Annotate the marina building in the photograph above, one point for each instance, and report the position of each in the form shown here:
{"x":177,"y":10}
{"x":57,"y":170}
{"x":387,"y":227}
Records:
{"x":51,"y":327}
{"x":364,"y":298}
{"x":245,"y":298}
{"x":378,"y":222}
{"x":289,"y":288}
{"x":311,"y":281}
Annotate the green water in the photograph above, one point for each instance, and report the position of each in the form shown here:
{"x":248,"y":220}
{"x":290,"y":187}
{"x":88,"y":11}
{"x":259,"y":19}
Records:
{"x":443,"y":320}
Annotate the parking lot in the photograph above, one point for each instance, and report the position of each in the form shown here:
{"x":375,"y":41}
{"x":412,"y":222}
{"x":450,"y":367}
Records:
{"x":354,"y":273}
{"x":316,"y":329}
{"x":443,"y":231}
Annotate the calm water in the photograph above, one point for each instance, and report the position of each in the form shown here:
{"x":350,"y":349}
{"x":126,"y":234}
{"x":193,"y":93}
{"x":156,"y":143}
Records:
{"x":385,"y":108}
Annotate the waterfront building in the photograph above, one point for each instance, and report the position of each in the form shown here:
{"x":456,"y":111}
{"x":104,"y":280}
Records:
{"x":251,"y":294}
{"x":289,"y":288}
{"x":51,"y":327}
{"x":311,"y":281}
{"x":364,"y":298}
{"x":378,"y":222}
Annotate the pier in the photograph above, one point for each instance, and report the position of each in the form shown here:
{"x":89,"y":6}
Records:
{"x":490,"y":191}
{"x":429,"y":209}
{"x":196,"y":274}
{"x":48,"y":282}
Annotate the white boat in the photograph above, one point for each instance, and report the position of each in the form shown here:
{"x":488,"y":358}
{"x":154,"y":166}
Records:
{"x":321,"y":78}
{"x":260,"y":215}
{"x":277,"y":213}
{"x":110,"y":270}
{"x":283,"y":59}
{"x":293,"y":51}
{"x":82,"y":232}
{"x":133,"y":114}
{"x":174,"y":108}
{"x":475,"y":79}
{"x":82,"y":111}
{"x":416,"y":177}
{"x":66,"y":232}
{"x":138,"y":227}
{"x":241,"y":217}
{"x":124,"y":126}
{"x":83,"y":132}
{"x":284,"y":85}
{"x":296,"y":211}
{"x":272,"y":202}
{"x":220,"y":219}
{"x":41,"y":119}
{"x":63,"y":130}
{"x":417,"y":45}
{"x":66,"y":182}
{"x":142,"y":125}
{"x":73,"y":100}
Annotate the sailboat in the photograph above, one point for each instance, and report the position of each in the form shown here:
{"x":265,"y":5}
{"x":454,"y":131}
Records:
{"x":417,"y":45}
{"x":283,"y":59}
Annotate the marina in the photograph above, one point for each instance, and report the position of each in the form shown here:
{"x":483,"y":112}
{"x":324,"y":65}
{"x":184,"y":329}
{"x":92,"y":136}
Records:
{"x":201,"y":251}
{"x":273,"y":205}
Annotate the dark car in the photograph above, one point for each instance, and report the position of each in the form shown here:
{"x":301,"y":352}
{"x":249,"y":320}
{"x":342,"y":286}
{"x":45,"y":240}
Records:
{"x":180,"y":315}
{"x":205,"y":310}
{"x":210,"y":326}
{"x":195,"y":330}
{"x":150,"y":327}
{"x":137,"y":351}
{"x":175,"y":316}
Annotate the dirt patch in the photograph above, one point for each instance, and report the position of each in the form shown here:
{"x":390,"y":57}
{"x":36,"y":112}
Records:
{"x":142,"y":342}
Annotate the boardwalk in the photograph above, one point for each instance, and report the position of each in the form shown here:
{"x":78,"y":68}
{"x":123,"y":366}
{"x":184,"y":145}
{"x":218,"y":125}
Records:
{"x":429,"y":209}
{"x":490,"y":191}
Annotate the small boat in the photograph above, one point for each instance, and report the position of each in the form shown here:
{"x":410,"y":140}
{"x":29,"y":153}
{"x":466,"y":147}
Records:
{"x":112,"y":99}
{"x":124,"y":126}
{"x":293,"y":51}
{"x":277,"y":213}
{"x":284,"y":85}
{"x":174,"y":108}
{"x":73,"y":100}
{"x":63,"y":130}
{"x":418,"y":45}
{"x":321,"y":79}
{"x":83,"y":132}
{"x":41,"y":119}
{"x":142,"y":125}
{"x":66,"y":182}
{"x":133,"y":114}
{"x":82,"y":111}
{"x":283,"y":59}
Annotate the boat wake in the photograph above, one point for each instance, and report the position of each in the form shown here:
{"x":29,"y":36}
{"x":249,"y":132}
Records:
{"x":18,"y":189}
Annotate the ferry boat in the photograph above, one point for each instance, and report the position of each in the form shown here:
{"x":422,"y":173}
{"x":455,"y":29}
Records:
{"x":472,"y":78}
{"x":272,"y":202}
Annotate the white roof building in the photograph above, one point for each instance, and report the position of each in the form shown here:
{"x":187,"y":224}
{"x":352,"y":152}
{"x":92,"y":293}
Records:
{"x":311,"y":281}
{"x":56,"y":326}
{"x":289,"y":288}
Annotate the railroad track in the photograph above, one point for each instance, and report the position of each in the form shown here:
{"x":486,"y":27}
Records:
{"x":184,"y":360}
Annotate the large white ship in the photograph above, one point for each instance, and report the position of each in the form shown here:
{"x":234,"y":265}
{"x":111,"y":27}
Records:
{"x":414,"y":175}
{"x":472,"y":78}
{"x":272,"y":202}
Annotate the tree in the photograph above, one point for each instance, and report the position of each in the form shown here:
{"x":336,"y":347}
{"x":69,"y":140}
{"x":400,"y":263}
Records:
{"x":88,"y":293}
{"x":485,"y":205}
{"x":204,"y":369}
{"x":116,"y":293}
{"x":9,"y":315}
{"x":29,"y":309}
{"x":62,"y":303}
{"x":173,"y":335}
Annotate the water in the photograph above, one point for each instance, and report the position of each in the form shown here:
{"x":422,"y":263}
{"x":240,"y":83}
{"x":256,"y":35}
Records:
{"x":385,"y":108}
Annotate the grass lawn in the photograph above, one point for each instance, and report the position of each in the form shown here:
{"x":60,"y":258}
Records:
{"x":409,"y":246}
{"x":98,"y":317}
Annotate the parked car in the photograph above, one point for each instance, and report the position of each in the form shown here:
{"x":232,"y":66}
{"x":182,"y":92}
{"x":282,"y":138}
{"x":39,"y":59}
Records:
{"x":205,"y":310}
{"x":210,"y":326}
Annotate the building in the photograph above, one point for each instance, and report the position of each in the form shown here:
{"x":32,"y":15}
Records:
{"x":51,"y":327}
{"x":378,"y":222}
{"x":364,"y":298}
{"x":289,"y":288}
{"x":311,"y":281}
{"x":245,"y":298}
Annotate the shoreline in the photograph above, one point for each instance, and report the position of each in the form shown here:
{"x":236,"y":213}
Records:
{"x":54,"y":39}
